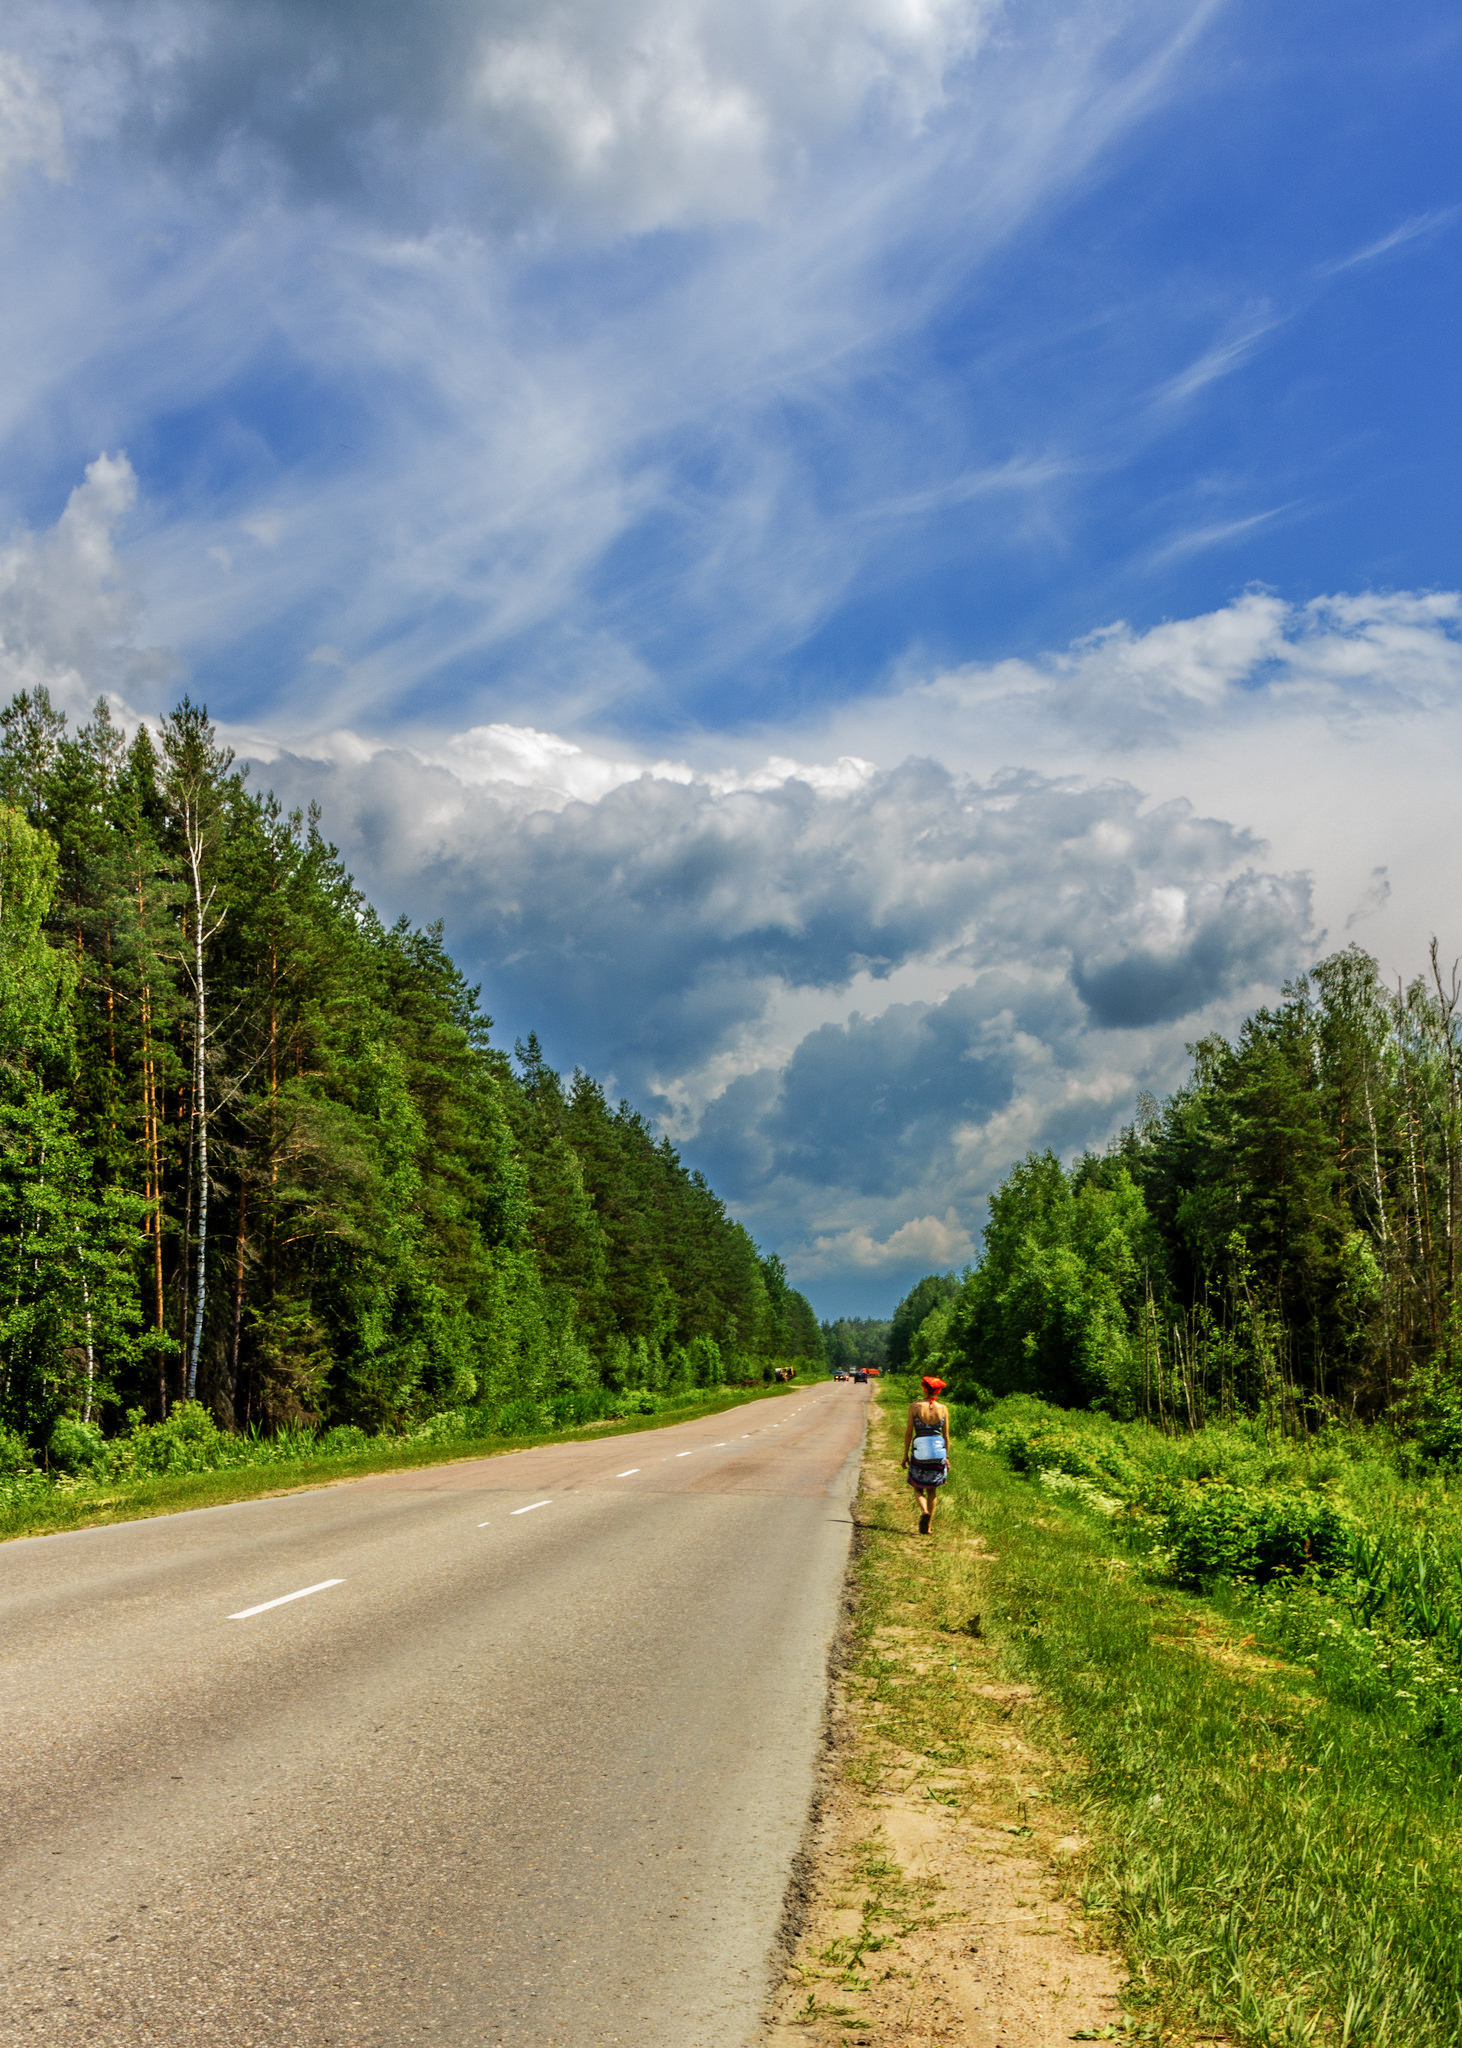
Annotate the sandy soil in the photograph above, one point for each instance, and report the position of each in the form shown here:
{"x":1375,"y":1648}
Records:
{"x":934,"y":1907}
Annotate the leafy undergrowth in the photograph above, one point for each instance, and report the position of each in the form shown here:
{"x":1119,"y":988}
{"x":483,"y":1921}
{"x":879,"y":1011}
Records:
{"x":1275,"y":1839}
{"x":1328,"y":1549}
{"x":188,"y":1462}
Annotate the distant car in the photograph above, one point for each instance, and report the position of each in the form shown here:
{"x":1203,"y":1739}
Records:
{"x":860,"y":1379}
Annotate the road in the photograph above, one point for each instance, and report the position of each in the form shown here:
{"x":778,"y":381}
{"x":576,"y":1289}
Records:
{"x":528,"y":1762}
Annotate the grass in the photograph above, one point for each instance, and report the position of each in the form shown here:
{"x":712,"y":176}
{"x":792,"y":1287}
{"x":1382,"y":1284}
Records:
{"x":917,"y":1675}
{"x":85,"y":1503}
{"x":1277,"y":1865}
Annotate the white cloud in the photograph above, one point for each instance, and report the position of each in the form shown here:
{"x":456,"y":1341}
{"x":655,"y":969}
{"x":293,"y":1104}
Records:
{"x":1217,"y":534}
{"x":1417,"y":228}
{"x":658,"y":112}
{"x":928,"y":1243}
{"x":634,"y":113}
{"x":68,"y":611}
{"x":1337,"y":657}
{"x":1219,"y":360}
{"x":744,"y":951}
{"x":403,"y":425}
{"x":30,"y":123}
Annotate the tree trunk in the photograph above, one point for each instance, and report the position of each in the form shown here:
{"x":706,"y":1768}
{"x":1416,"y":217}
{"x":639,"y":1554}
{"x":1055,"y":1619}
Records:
{"x":200,"y":1102}
{"x":239,"y":1283}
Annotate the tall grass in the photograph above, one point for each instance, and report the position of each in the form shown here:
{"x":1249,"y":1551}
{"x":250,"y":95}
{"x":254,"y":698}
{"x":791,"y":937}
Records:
{"x":1275,"y":1839}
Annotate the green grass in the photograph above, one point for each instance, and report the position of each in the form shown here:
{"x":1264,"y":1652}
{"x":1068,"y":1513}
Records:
{"x":85,"y":1503}
{"x":1276,"y":1864}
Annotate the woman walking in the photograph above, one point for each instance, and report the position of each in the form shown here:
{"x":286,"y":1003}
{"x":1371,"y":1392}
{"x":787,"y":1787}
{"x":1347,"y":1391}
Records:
{"x":926,"y":1450}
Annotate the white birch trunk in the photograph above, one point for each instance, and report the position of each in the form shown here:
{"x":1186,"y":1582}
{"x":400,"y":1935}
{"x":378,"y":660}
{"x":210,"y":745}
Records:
{"x":200,"y":1025}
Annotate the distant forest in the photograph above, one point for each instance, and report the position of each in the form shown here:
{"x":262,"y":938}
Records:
{"x":257,"y":1149}
{"x":855,"y":1340}
{"x":1281,"y":1236}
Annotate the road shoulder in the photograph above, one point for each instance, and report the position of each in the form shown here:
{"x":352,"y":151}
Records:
{"x":937,"y":1894}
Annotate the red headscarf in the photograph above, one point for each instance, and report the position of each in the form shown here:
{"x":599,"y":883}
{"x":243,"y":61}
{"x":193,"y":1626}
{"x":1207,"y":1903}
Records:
{"x":933,"y":1386}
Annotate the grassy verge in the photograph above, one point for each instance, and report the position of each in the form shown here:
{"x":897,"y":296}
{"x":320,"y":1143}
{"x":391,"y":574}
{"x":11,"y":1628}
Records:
{"x":84,"y":1504}
{"x":1277,"y":1865}
{"x":936,"y":1903}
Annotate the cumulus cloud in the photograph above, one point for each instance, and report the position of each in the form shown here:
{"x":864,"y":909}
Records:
{"x":665,"y":112}
{"x":68,"y":611}
{"x":641,"y":113}
{"x":924,"y":1244}
{"x":736,"y":950}
{"x":1342,"y":657}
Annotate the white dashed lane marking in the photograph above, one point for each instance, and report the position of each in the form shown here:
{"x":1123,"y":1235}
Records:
{"x":530,"y":1507}
{"x":284,"y":1599}
{"x":627,"y":1475}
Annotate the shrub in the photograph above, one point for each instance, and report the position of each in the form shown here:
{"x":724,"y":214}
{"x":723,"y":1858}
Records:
{"x":76,"y":1446}
{"x":189,"y":1441}
{"x":16,"y":1460}
{"x":1215,"y":1530}
{"x":345,"y":1440}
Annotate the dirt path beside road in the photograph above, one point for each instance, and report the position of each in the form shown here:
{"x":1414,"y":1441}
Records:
{"x":939,"y":1894}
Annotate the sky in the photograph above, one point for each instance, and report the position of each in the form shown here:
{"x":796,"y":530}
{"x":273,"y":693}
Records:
{"x":885,"y":565}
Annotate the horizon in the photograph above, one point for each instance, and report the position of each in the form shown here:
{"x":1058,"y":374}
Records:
{"x":883,"y":568}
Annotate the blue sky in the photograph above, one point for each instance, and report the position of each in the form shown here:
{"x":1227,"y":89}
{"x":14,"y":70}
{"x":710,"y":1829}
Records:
{"x":885,"y":564}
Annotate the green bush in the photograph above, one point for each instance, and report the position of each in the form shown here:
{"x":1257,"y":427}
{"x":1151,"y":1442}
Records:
{"x":189,"y":1441}
{"x":346,"y":1440}
{"x":1214,"y":1530}
{"x":1322,"y":1545}
{"x":16,"y":1460}
{"x":76,"y":1446}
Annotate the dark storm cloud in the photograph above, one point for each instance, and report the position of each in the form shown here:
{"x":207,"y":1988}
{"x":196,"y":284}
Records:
{"x":865,"y":1104}
{"x":637,"y":113}
{"x":1232,"y":937}
{"x":656,"y":929}
{"x":336,"y":96}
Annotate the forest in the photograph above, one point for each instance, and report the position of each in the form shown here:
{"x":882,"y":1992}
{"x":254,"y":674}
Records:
{"x":259,"y":1152}
{"x":1279,"y":1238}
{"x":853,"y":1341}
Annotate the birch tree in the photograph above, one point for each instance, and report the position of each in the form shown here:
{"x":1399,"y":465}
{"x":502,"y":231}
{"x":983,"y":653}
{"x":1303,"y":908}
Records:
{"x":195,"y":771}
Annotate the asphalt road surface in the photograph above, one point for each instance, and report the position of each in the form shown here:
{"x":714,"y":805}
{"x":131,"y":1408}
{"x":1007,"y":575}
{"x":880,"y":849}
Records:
{"x":506,"y":1751}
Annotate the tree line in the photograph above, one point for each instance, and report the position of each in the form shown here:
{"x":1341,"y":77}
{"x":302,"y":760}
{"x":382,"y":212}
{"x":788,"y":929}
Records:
{"x":1281,"y":1235}
{"x":258,"y":1149}
{"x":854,"y":1341}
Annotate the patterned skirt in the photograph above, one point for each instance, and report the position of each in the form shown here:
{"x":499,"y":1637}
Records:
{"x":924,"y":1476}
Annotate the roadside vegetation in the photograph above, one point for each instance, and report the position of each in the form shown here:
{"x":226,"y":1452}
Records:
{"x":260,"y":1155}
{"x":1208,"y":1398}
{"x":940,"y":1898}
{"x":188,"y":1462}
{"x":1282,"y":1237}
{"x":1252,"y":1651}
{"x":1261,"y":1752}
